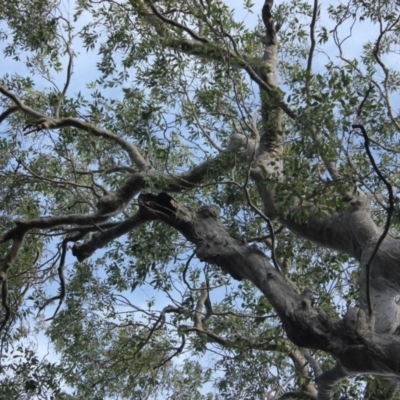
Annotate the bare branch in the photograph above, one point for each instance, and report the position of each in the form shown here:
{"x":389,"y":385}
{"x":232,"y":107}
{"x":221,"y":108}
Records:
{"x":267,"y":220}
{"x":198,"y":313}
{"x":312,"y":361}
{"x":300,"y":362}
{"x":349,"y":340}
{"x":327,"y":381}
{"x":7,"y":113}
{"x":26,"y":109}
{"x":60,"y":270}
{"x":8,"y":262}
{"x":22,"y":227}
{"x":205,"y":133}
{"x":176,"y":353}
{"x":100,"y":240}
{"x":69,"y":73}
{"x":385,"y":69}
{"x":202,"y":332}
{"x":207,"y":50}
{"x":389,"y":210}
{"x":312,"y":38}
{"x":184,"y":28}
{"x":45,"y":122}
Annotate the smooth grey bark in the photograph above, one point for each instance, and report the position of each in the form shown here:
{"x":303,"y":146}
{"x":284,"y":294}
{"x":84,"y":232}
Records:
{"x":357,"y":348}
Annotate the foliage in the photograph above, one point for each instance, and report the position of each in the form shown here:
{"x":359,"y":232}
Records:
{"x":121,"y":98}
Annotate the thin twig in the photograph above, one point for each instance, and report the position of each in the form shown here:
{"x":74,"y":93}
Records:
{"x":360,"y":107}
{"x":185,"y":270}
{"x":312,"y":38}
{"x":60,"y":271}
{"x":177,"y":351}
{"x":7,"y":113}
{"x":263,"y":216}
{"x":69,"y":73}
{"x":389,"y":210}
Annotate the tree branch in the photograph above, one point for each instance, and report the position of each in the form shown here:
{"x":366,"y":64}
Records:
{"x":7,"y":113}
{"x":300,"y":362}
{"x":45,"y":122}
{"x":203,"y":48}
{"x":349,"y":340}
{"x":7,"y":263}
{"x":22,"y":227}
{"x":100,"y":240}
{"x":69,"y":68}
{"x":389,"y":210}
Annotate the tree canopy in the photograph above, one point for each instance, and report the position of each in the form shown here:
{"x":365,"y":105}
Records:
{"x":199,"y":199}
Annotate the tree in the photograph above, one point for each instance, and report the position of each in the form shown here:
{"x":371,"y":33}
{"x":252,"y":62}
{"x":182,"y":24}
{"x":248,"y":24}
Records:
{"x":243,"y":173}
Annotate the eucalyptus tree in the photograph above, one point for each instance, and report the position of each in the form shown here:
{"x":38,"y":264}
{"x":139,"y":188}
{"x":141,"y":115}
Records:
{"x":199,"y":199}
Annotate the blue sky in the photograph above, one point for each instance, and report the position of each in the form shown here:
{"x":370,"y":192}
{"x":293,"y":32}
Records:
{"x":85,"y":69}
